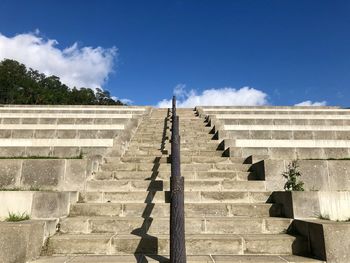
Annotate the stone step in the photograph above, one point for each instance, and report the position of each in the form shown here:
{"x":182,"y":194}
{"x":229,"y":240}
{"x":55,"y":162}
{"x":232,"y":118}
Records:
{"x":164,"y":197}
{"x":183,"y":153}
{"x":167,"y":159}
{"x":159,"y":244}
{"x":166,"y":146}
{"x":162,"y":210}
{"x":165,"y":259}
{"x":194,"y":225}
{"x":166,"y":167}
{"x":160,"y":185}
{"x":148,"y":175}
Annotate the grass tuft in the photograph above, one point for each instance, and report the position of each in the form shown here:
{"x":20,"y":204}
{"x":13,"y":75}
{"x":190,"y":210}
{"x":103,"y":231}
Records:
{"x":16,"y":217}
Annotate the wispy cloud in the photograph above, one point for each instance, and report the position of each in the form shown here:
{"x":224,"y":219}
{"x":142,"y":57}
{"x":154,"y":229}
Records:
{"x":76,"y":66}
{"x":310,"y":103}
{"x":227,"y":96}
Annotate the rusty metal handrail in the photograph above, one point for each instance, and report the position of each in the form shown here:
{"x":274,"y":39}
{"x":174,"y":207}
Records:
{"x":177,"y":211}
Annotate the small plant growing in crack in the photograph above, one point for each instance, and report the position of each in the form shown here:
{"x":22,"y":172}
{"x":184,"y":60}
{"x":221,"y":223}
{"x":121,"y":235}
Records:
{"x":292,"y":175}
{"x":16,"y":217}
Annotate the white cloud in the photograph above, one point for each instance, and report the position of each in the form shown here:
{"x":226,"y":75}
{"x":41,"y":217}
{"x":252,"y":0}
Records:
{"x":125,"y":101}
{"x":76,"y":66}
{"x":310,"y":103}
{"x":227,"y":96}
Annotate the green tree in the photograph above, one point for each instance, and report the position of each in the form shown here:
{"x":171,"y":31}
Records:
{"x":19,"y":85}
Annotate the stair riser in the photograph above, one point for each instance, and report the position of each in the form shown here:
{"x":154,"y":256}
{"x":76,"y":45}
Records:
{"x":164,"y":197}
{"x":161,"y":226}
{"x":162,"y":210}
{"x":153,"y":245}
{"x":166,"y":167}
{"x":212,"y":176}
{"x":197,"y":185}
{"x":184,"y":159}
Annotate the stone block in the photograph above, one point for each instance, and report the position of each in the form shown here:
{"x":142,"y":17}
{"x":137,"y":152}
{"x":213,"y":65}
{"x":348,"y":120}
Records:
{"x":66,"y":152}
{"x":314,"y":174}
{"x":45,"y":134}
{"x":238,"y":134}
{"x":5,"y":134}
{"x":12,"y":152}
{"x":298,"y":204}
{"x":260,"y":134}
{"x":342,"y":135}
{"x":75,"y":175}
{"x":10,"y":171}
{"x":15,"y":202}
{"x":20,"y":242}
{"x":11,"y":121}
{"x":336,"y":153}
{"x":66,"y":121}
{"x":30,"y":120}
{"x":38,"y":151}
{"x":49,"y":121}
{"x":87,"y":134}
{"x":66,"y":134}
{"x":45,"y":174}
{"x":339,"y":175}
{"x":22,"y":134}
{"x":271,"y":171}
{"x":282,"y":135}
{"x":282,"y":153}
{"x":310,"y":153}
{"x":50,"y":204}
{"x":327,"y":240}
{"x":302,"y":135}
{"x":324,"y":135}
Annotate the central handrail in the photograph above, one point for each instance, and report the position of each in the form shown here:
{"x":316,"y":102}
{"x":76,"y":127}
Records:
{"x":177,"y":211}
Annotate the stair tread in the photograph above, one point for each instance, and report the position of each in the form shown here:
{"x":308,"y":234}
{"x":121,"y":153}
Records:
{"x":165,"y":258}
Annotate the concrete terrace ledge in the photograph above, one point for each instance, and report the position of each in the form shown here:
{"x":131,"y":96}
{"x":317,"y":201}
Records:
{"x":62,"y":126}
{"x":47,"y":174}
{"x":56,"y":142}
{"x":21,"y":242}
{"x":333,"y":205}
{"x":37,"y":204}
{"x":317,"y":175}
{"x":327,"y":240}
{"x":282,"y":116}
{"x":253,"y":127}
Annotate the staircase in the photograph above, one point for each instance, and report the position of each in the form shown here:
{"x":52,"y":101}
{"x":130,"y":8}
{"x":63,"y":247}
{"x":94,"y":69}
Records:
{"x":124,"y":214}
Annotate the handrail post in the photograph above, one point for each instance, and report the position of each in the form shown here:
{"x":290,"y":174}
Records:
{"x":177,"y":211}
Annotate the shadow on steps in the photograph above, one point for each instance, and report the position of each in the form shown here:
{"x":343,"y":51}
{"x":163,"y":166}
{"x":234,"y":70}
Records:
{"x":148,"y":245}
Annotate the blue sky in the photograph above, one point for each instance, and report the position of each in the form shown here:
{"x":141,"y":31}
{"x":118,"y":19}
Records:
{"x":291,"y":51}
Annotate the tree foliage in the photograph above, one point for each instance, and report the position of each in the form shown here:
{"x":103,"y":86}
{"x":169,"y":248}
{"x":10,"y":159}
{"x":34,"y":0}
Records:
{"x":19,"y":85}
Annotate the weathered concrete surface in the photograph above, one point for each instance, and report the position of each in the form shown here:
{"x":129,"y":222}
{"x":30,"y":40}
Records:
{"x":327,"y":240}
{"x":47,"y":174}
{"x":325,"y":175}
{"x":298,"y":204}
{"x":21,"y":242}
{"x":37,"y":204}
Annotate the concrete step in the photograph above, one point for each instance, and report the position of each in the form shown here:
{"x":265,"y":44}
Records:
{"x":167,"y":159}
{"x":164,"y":197}
{"x":166,"y":167}
{"x":194,"y":225}
{"x":148,"y":175}
{"x":184,"y":147}
{"x":162,"y":210}
{"x":160,"y":185}
{"x":159,"y":244}
{"x":165,"y":259}
{"x":183,"y":153}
